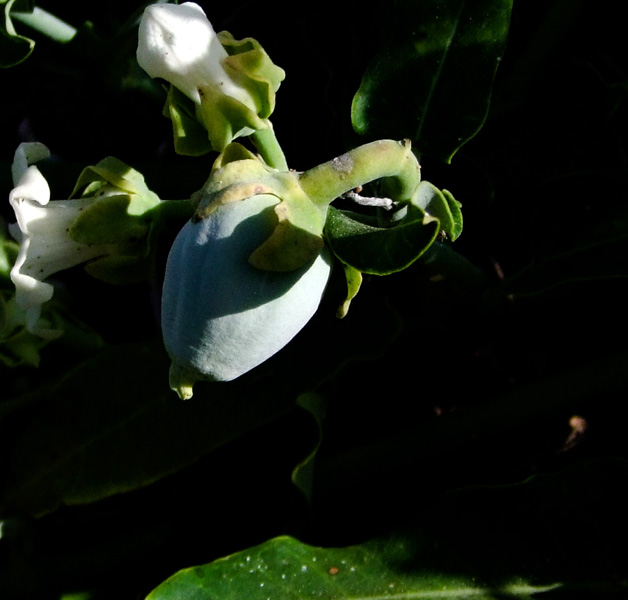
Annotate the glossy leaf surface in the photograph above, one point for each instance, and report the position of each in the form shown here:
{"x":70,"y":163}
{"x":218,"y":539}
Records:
{"x":498,"y":542}
{"x":285,"y":568}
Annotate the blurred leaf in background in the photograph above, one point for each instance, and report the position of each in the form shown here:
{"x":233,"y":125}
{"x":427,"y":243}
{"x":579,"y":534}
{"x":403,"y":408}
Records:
{"x":432,"y":81}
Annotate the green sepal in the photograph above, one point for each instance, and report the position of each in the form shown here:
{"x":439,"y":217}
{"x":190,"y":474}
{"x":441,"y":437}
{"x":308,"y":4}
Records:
{"x":225,"y":118}
{"x":220,"y":119}
{"x":119,"y":175}
{"x":132,"y":246}
{"x":190,"y":137}
{"x":109,"y":221}
{"x":295,"y":241}
{"x":380,"y":250}
{"x":238,"y":175}
{"x":122,"y":200}
{"x":120,"y":217}
{"x":212,"y":125}
{"x":249,"y":65}
{"x":14,"y":48}
{"x":442,"y":205}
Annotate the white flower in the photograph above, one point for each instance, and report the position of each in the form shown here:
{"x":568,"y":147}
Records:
{"x":222,"y":85}
{"x":177,"y":43}
{"x":42,"y":232}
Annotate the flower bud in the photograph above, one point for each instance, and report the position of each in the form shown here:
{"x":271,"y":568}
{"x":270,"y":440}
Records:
{"x":221,"y":316}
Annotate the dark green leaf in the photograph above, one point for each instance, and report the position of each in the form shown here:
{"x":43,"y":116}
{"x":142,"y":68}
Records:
{"x":554,"y":536}
{"x":541,"y":400}
{"x":432,"y":82}
{"x":303,"y":473}
{"x":288,"y":569}
{"x":112,"y":424}
{"x":14,"y":48}
{"x":380,"y":250}
{"x":23,"y":6}
{"x":595,"y":261}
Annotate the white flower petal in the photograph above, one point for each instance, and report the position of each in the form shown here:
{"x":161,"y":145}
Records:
{"x":178,"y":43}
{"x":26,"y":154}
{"x":42,"y":231}
{"x":46,"y":246}
{"x":33,"y":186}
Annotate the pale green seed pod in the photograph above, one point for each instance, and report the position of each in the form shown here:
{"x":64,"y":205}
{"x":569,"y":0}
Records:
{"x":221,"y":317}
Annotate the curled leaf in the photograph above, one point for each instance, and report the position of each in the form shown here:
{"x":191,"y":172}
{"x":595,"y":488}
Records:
{"x":380,"y":250}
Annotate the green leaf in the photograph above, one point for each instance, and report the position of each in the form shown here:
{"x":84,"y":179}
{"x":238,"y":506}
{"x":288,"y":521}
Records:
{"x":555,"y":535}
{"x":14,"y":48}
{"x":288,"y":569}
{"x":596,"y":261}
{"x":303,"y":473}
{"x":112,"y":424}
{"x":432,"y":82}
{"x":442,"y":205}
{"x":380,"y":250}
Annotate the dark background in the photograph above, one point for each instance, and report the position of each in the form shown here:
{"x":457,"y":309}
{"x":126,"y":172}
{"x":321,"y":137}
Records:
{"x":508,"y":348}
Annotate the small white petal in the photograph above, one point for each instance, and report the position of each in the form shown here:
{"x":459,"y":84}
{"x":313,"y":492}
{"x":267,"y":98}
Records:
{"x":26,"y":154}
{"x":178,"y":43}
{"x":45,"y":246}
{"x":32,"y":185}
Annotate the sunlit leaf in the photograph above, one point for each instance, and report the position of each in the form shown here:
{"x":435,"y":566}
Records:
{"x":288,"y":569}
{"x":354,"y":282}
{"x":442,"y":205}
{"x":527,"y":540}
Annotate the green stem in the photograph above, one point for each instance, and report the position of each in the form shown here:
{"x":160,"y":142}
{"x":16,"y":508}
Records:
{"x":384,"y":159}
{"x":46,"y":23}
{"x":267,"y":145}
